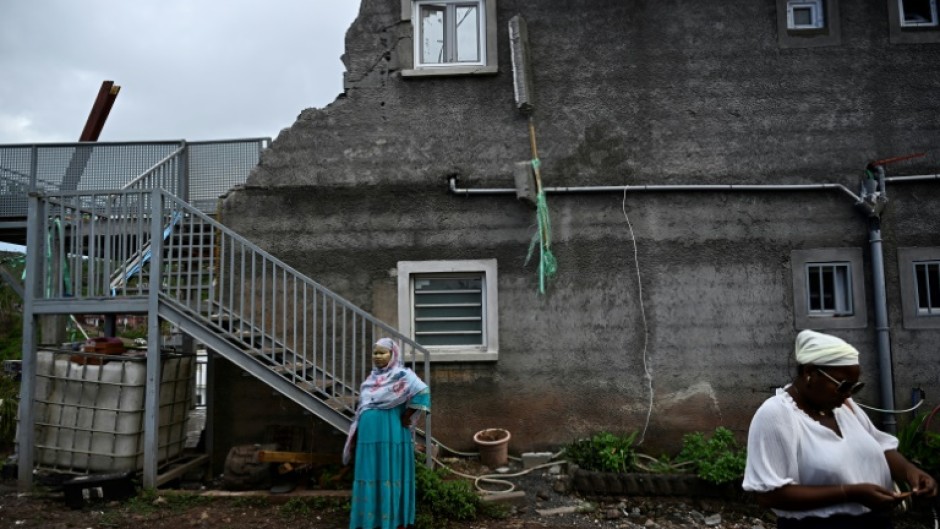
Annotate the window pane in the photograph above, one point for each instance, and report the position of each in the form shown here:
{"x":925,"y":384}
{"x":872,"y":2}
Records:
{"x":432,"y":34}
{"x":829,"y":289}
{"x":815,"y":289}
{"x":923,"y":290}
{"x":468,"y":34}
{"x":802,"y":16}
{"x":933,"y":278}
{"x":918,"y":12}
{"x":927,"y":287}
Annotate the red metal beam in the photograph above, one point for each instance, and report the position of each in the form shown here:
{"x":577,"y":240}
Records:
{"x":99,"y":111}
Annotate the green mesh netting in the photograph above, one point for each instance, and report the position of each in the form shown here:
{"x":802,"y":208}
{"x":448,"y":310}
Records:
{"x":548,"y":266}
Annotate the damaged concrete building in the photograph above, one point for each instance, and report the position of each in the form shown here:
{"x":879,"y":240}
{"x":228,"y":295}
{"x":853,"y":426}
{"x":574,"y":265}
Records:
{"x":719,"y":175}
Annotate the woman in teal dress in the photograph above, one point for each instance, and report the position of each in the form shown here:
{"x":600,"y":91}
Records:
{"x":382,"y":444}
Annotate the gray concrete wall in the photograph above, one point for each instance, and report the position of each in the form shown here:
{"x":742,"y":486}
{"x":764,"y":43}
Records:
{"x":628,"y":92}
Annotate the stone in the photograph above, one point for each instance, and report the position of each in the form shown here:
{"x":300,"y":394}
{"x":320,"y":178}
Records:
{"x":713,"y":519}
{"x":534,"y":459}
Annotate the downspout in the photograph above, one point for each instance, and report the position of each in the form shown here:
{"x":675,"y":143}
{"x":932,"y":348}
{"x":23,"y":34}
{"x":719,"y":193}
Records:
{"x":874,"y":193}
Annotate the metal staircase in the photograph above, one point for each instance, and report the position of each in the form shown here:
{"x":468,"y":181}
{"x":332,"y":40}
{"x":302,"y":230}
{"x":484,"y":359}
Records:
{"x":143,"y":249}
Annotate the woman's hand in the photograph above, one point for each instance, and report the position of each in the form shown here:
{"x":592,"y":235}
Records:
{"x":922,"y":484}
{"x":406,"y":417}
{"x":874,"y":497}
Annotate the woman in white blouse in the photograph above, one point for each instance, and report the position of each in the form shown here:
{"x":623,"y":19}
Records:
{"x":815,"y":458}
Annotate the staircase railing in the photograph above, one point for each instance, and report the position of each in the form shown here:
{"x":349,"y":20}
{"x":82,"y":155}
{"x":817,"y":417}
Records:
{"x":263,"y":309}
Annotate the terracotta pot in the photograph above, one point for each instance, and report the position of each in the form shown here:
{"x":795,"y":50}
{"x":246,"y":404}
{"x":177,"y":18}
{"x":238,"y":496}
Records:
{"x":493,"y":444}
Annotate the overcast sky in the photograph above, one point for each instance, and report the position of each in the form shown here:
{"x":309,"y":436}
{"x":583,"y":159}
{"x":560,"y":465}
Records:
{"x":188,"y":69}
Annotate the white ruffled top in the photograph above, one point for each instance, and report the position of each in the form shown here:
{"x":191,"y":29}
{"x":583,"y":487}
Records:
{"x":785,"y":446}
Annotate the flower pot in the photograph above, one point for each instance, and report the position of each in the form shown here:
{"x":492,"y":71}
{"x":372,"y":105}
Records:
{"x":493,"y":444}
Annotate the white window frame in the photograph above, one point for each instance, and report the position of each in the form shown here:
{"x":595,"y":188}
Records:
{"x":409,"y":50}
{"x":818,"y":19}
{"x":801,"y":262}
{"x":842,"y":304}
{"x":932,"y":23}
{"x":914,"y":316}
{"x":450,"y":37}
{"x":932,"y":273}
{"x":489,"y":350}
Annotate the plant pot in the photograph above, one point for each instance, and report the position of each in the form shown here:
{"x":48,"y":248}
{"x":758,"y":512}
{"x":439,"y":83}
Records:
{"x":493,"y":444}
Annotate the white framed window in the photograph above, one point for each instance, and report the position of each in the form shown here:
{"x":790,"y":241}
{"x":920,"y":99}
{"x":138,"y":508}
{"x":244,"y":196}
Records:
{"x":805,"y":14}
{"x":449,"y":37}
{"x":828,"y":289}
{"x":927,"y":287}
{"x":808,"y":23}
{"x":917,"y":13}
{"x":919,"y":275}
{"x":450,"y":308}
{"x":449,"y":33}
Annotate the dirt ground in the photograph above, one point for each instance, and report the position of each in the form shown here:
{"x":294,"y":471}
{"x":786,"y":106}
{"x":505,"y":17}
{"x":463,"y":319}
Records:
{"x":539,"y":504}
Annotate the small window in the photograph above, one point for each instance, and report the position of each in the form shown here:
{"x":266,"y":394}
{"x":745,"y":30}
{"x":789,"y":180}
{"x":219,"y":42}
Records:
{"x":913,"y":22}
{"x":927,"y":285}
{"x":449,"y":33}
{"x":828,"y":289}
{"x":450,"y":308}
{"x":805,"y":14}
{"x":917,"y":13}
{"x":919,"y":276}
{"x":449,"y":37}
{"x":808,"y":23}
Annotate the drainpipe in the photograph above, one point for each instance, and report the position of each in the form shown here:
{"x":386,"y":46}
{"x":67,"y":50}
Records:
{"x":875,"y":194}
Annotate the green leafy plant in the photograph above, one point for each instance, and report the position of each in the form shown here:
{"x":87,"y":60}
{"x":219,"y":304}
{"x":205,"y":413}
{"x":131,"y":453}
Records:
{"x":717,"y":459}
{"x":440,"y":499}
{"x":919,"y":445}
{"x":604,"y":451}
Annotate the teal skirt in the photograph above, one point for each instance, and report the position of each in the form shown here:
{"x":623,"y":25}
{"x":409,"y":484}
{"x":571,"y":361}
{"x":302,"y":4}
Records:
{"x":383,"y":493}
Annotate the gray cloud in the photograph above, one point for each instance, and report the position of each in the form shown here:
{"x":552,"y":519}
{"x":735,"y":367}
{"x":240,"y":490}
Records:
{"x":191,"y":69}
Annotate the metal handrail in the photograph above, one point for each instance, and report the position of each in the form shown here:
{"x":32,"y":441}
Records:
{"x":269,"y":313}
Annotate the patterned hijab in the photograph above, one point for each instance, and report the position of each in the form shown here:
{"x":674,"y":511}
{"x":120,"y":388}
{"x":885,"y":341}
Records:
{"x":384,"y":389}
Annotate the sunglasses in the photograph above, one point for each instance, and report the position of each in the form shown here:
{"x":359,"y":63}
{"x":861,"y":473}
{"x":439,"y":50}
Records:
{"x":844,"y":386}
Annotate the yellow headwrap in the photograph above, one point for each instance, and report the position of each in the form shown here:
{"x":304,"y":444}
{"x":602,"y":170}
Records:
{"x":824,"y":350}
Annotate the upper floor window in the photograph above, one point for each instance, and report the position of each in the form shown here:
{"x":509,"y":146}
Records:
{"x":449,"y":37}
{"x":449,"y":33}
{"x":805,"y":14}
{"x":917,"y":13}
{"x":913,"y":22}
{"x":808,"y":23}
{"x":919,"y":275}
{"x":828,"y":291}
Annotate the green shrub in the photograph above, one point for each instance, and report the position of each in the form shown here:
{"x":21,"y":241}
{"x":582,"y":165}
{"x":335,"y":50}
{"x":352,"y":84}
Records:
{"x":604,"y":451}
{"x":920,"y":446}
{"x":717,"y":459}
{"x":439,"y":499}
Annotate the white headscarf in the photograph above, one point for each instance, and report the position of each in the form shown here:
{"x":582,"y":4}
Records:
{"x":824,"y":350}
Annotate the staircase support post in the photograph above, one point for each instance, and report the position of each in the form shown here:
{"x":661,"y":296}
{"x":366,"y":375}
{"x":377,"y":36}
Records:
{"x":152,"y":396}
{"x":26,"y":441}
